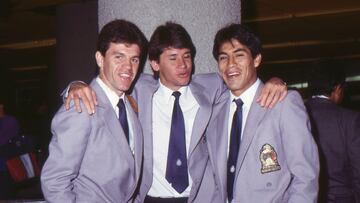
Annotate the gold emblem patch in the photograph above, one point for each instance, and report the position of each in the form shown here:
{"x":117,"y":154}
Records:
{"x":268,"y":158}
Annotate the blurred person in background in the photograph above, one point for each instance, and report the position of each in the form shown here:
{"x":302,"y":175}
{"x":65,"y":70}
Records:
{"x":337,"y":133}
{"x":9,"y":128}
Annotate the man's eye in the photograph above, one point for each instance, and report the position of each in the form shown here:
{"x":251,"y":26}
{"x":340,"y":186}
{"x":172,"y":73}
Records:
{"x":222,"y":58}
{"x":135,"y":60}
{"x":187,"y":55}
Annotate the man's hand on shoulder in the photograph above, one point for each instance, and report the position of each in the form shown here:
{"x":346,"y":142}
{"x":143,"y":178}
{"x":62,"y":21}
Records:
{"x":81,"y":91}
{"x":274,"y":91}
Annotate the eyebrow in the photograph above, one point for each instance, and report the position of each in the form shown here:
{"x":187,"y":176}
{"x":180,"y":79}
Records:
{"x":239,"y":49}
{"x":175,"y":54}
{"x":117,"y":52}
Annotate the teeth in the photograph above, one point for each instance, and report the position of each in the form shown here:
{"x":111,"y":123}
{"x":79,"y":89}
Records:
{"x":232,"y":74}
{"x":125,"y":75}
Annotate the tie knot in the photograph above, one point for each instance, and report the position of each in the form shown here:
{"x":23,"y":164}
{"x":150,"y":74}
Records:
{"x":176,"y":94}
{"x":238,"y":102}
{"x":121,"y":104}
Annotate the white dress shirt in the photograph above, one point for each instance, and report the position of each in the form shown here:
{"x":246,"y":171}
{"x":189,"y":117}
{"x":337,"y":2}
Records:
{"x":114,"y":99}
{"x":162,"y":108}
{"x":247,"y":97}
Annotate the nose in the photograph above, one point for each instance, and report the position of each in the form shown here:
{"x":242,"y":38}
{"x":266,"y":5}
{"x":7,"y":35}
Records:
{"x":181,"y":63}
{"x":231,"y":61}
{"x":127,"y":64}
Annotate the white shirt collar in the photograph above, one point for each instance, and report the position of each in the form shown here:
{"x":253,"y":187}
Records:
{"x":167,"y":92}
{"x":248,"y":95}
{"x":321,"y":96}
{"x":112,"y":96}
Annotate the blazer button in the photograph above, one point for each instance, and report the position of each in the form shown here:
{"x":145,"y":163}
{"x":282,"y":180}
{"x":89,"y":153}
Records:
{"x":204,"y":139}
{"x":268,"y":184}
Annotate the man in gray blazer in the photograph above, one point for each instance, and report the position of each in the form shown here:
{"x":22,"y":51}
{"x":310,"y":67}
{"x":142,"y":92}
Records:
{"x":261,"y":155}
{"x":99,"y":158}
{"x":171,"y":54}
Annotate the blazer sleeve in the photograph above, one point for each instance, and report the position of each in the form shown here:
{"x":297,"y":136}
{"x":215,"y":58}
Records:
{"x":300,"y":150}
{"x":66,"y":150}
{"x":353,"y":145}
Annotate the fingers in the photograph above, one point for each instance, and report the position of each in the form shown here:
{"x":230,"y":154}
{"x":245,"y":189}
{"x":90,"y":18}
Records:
{"x":76,"y":99}
{"x":81,"y":92}
{"x":272,"y":93}
{"x":283,"y":93}
{"x":93,"y":94}
{"x":67,"y":103}
{"x":263,"y":96}
{"x":88,"y":101}
{"x":273,"y":100}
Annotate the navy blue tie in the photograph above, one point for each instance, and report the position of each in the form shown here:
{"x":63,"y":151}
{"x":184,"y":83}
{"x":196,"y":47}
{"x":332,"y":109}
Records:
{"x":235,"y":139}
{"x":123,"y":118}
{"x":176,"y":168}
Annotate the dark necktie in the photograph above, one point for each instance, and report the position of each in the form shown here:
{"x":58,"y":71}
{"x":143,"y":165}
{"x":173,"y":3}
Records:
{"x":235,"y":139}
{"x":123,"y":118}
{"x":176,"y":168}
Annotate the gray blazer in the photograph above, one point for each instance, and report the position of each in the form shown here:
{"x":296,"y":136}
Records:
{"x":278,"y":158}
{"x":205,"y":88}
{"x":90,"y":159}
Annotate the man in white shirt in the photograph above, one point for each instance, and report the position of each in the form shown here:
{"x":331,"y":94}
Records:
{"x":171,"y":55}
{"x":99,"y":158}
{"x":261,"y":155}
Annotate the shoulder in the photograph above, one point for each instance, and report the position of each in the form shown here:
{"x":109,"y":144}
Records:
{"x":209,"y":77}
{"x":145,"y":79}
{"x":349,"y":114}
{"x":292,"y":103}
{"x":293,"y":96}
{"x":209,"y":82}
{"x":71,"y":117}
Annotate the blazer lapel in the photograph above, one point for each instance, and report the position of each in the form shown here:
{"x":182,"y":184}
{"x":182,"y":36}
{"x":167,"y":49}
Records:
{"x":137,"y":136}
{"x":256,"y":114}
{"x":138,"y":142}
{"x":221,"y":144}
{"x":202,"y":116}
{"x":145,"y":101}
{"x":108,"y":115}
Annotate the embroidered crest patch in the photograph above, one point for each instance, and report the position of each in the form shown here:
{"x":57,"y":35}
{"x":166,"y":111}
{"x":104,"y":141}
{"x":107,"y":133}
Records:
{"x":268,"y":159}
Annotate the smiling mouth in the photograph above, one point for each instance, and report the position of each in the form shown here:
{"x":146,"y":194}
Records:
{"x":232,"y":74}
{"x":125,"y":75}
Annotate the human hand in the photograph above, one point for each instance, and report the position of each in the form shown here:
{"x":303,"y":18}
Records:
{"x":274,"y":91}
{"x":81,"y":91}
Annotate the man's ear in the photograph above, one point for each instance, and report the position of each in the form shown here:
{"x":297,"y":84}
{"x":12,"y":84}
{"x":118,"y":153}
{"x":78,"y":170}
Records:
{"x":99,"y":59}
{"x":257,"y":60}
{"x":155,"y":65}
{"x":337,"y":94}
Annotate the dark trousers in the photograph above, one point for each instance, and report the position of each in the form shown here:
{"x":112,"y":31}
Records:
{"x":7,"y":187}
{"x":149,"y":199}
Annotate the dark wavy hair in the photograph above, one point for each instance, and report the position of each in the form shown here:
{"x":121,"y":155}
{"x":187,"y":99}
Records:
{"x":122,"y":31}
{"x":240,"y":33}
{"x":169,"y":35}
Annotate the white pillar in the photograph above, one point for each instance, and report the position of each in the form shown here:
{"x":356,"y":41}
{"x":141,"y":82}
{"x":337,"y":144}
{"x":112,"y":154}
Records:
{"x":201,"y":18}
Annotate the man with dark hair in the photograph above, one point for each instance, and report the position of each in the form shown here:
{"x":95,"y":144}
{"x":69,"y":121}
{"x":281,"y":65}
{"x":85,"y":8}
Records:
{"x":99,"y":158}
{"x":174,"y":112}
{"x":337,"y":133}
{"x":262,"y":155}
